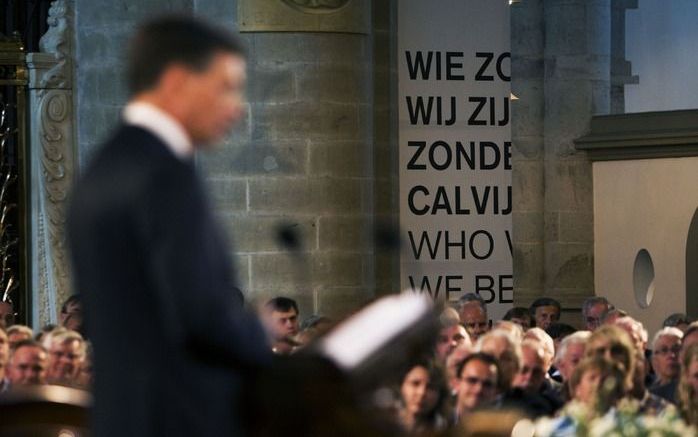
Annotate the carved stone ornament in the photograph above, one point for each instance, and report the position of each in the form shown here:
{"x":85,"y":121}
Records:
{"x":324,"y":16}
{"x":52,"y":161}
{"x":317,"y":6}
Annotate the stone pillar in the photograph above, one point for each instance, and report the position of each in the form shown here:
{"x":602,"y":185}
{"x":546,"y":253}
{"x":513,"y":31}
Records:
{"x":303,"y":158}
{"x":527,"y":116}
{"x":577,"y":86}
{"x":51,"y":163}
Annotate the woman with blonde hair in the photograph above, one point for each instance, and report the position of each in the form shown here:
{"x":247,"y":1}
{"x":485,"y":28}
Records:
{"x":688,"y":385}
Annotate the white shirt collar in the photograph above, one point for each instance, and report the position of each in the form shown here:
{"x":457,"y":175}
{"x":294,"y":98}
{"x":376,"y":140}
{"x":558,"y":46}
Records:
{"x":162,"y":125}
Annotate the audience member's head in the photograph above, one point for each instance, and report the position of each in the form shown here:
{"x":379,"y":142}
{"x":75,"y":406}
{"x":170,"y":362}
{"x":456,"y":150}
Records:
{"x":537,"y":334}
{"x":666,"y":348}
{"x":557,"y":331}
{"x":545,"y":310}
{"x":28,"y":364}
{"x":479,"y":383}
{"x":570,"y":353}
{"x":677,"y":320}
{"x":423,"y":393}
{"x":71,"y":314}
{"x":17,"y":333}
{"x":453,"y":363}
{"x":637,"y":332}
{"x":4,"y":353}
{"x":282,"y":319}
{"x":511,"y":328}
{"x":593,"y":310}
{"x":519,"y":315}
{"x":66,"y":352}
{"x":614,"y":344}
{"x":599,"y":383}
{"x":7,"y":314}
{"x":473,"y":315}
{"x":531,"y":375}
{"x":506,"y":350}
{"x":610,"y":316}
{"x":690,"y":337}
{"x":688,"y":385}
{"x":451,"y":335}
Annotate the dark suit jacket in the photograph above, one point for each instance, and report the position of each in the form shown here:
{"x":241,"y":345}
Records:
{"x":171,"y":343}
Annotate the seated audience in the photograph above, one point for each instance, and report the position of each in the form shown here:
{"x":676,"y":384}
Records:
{"x":688,"y":386}
{"x":282,"y":315}
{"x":530,"y":393}
{"x":544,"y":311}
{"x":666,"y":347}
{"x":479,"y":384}
{"x":451,"y":335}
{"x":677,"y":320}
{"x":614,"y":344}
{"x":650,"y":404}
{"x":423,"y":399}
{"x":28,"y":364}
{"x":453,"y":362}
{"x":593,"y":310}
{"x":511,"y":328}
{"x":7,"y":314}
{"x":506,"y":350}
{"x":66,"y":353}
{"x":17,"y":333}
{"x":599,"y":383}
{"x":557,"y":331}
{"x":569,"y":354}
{"x":520,"y":316}
{"x":71,"y":314}
{"x":610,"y":316}
{"x":4,"y":357}
{"x":473,"y":315}
{"x":539,"y":335}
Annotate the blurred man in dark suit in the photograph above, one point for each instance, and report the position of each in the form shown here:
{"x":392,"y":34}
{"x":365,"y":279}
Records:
{"x":171,"y":343}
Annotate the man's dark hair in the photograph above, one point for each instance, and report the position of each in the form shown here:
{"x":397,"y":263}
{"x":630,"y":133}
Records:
{"x":594,"y":300}
{"x":72,"y":300}
{"x":480,"y":356}
{"x":281,"y":304}
{"x":471,"y":297}
{"x":677,"y":319}
{"x":559,"y":330}
{"x":174,"y":39}
{"x":544,"y":302}
{"x":517,"y":313}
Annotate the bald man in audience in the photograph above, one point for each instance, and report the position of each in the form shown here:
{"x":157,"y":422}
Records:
{"x":66,"y":354}
{"x":28,"y":364}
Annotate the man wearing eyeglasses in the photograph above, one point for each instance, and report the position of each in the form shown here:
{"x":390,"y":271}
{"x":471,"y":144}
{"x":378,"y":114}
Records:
{"x":479,"y":383}
{"x":666,"y":347}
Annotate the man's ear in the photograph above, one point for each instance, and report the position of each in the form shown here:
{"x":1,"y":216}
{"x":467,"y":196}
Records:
{"x":173,"y":78}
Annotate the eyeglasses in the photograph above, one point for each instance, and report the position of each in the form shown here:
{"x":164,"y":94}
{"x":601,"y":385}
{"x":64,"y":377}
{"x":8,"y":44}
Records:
{"x":667,"y":350}
{"x":486,"y":383}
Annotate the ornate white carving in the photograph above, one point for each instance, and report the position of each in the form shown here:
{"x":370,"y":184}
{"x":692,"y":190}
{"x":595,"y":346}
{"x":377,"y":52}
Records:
{"x":56,"y":41}
{"x":52,"y":161}
{"x":317,"y":6}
